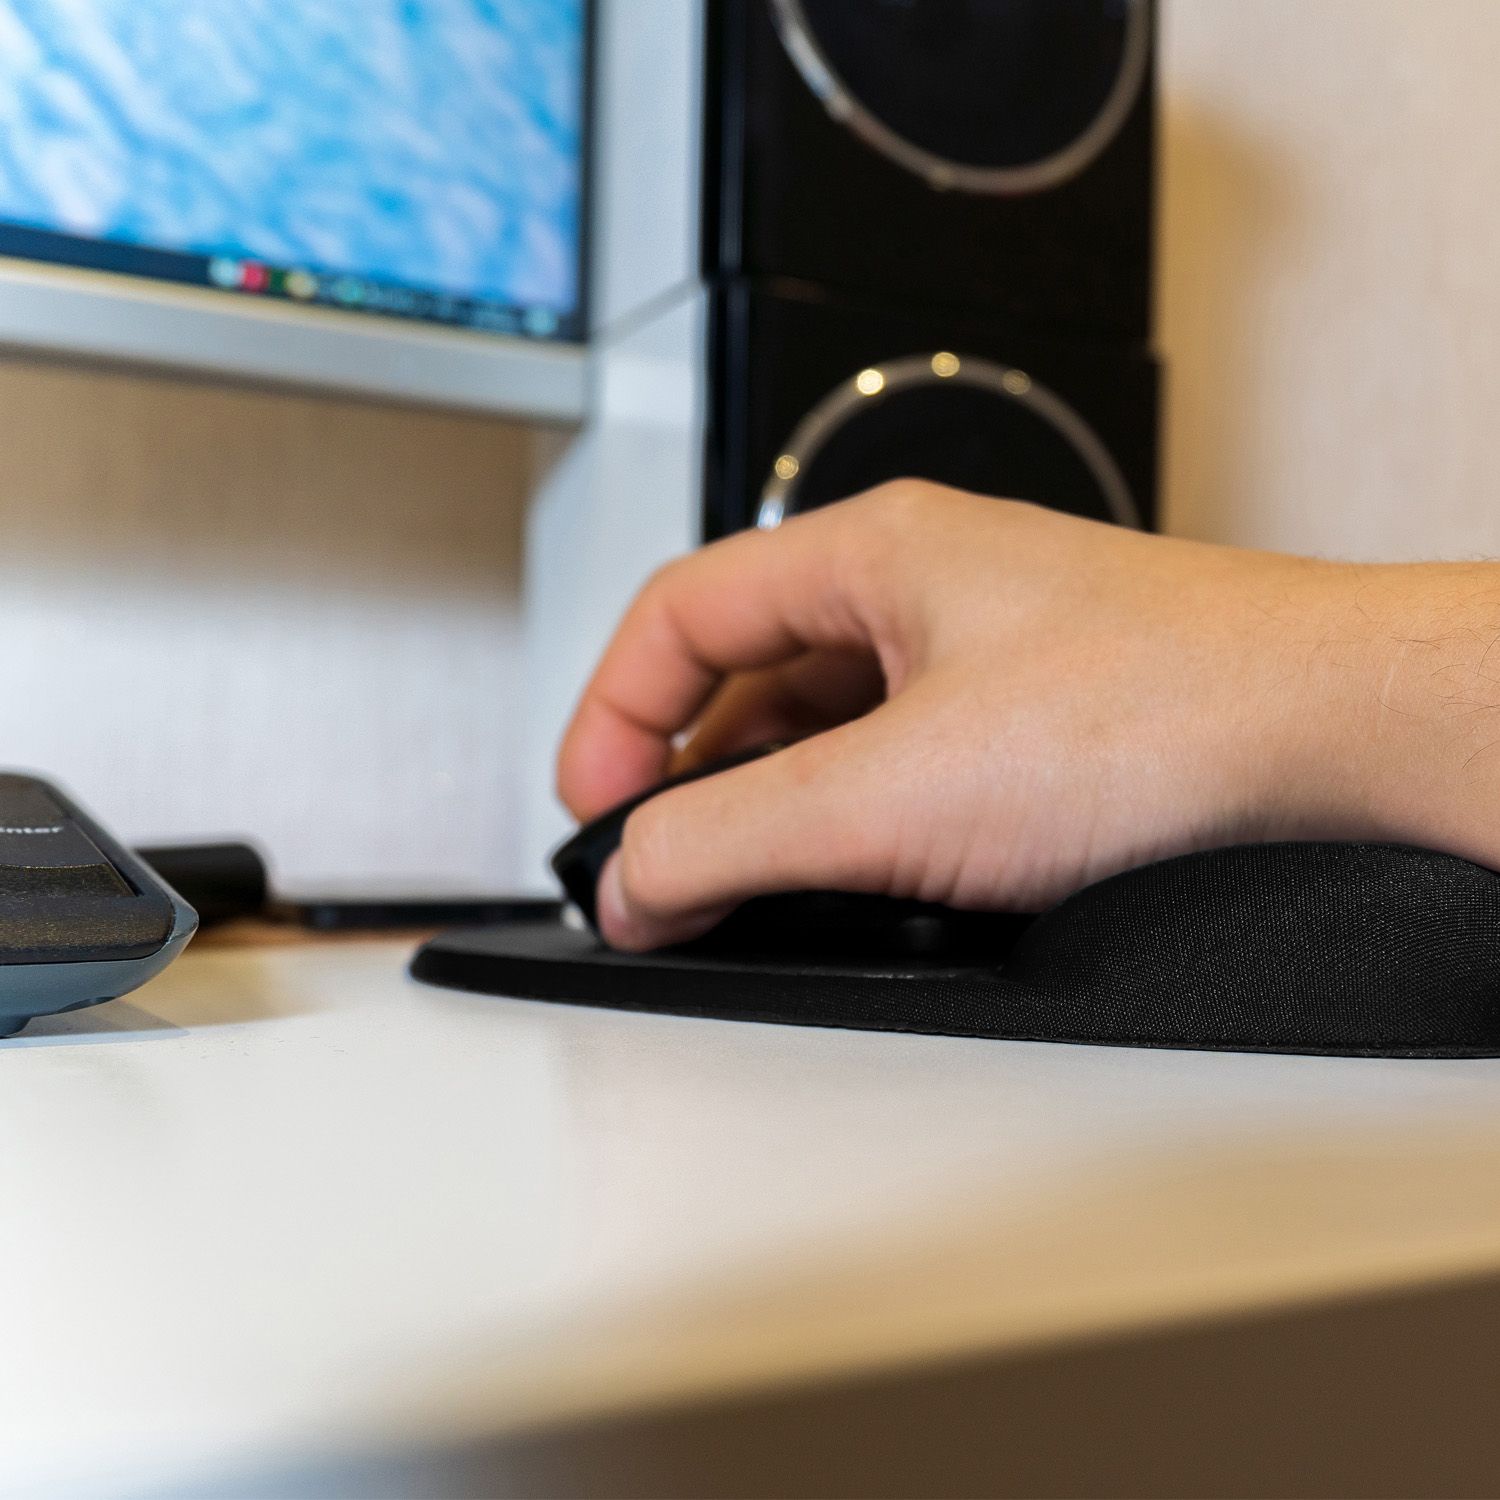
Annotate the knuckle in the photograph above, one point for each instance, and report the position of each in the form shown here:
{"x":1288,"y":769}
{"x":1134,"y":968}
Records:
{"x":659,"y":583}
{"x":654,"y":600}
{"x":1019,"y":512}
{"x":902,"y":507}
{"x":886,"y":523}
{"x":904,"y":511}
{"x":903,"y":501}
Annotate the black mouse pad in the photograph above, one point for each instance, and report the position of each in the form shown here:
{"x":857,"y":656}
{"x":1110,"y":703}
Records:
{"x":1368,"y":950}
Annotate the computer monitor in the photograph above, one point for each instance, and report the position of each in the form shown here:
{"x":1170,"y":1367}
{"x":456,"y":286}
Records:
{"x":380,"y":196}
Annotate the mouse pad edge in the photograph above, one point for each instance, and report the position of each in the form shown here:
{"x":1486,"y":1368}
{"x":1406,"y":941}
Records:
{"x":553,"y":963}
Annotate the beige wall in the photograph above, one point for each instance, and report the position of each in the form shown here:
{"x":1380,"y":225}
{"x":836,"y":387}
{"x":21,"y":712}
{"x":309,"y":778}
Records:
{"x":1330,"y":273}
{"x":234,"y":610}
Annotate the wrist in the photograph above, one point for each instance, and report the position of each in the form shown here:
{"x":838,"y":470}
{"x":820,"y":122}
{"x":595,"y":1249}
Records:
{"x":1405,"y":739}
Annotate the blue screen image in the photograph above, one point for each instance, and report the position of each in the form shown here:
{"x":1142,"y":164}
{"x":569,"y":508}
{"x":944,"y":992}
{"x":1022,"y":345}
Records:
{"x":348,"y":151}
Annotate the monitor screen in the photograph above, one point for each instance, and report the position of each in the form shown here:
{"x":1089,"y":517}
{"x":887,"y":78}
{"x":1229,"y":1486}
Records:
{"x":417,"y":159}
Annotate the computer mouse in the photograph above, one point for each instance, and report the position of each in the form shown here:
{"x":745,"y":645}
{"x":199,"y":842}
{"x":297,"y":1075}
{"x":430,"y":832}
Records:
{"x":820,"y":924}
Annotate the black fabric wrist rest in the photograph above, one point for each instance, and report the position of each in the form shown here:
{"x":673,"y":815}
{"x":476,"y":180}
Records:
{"x":1375,"y":950}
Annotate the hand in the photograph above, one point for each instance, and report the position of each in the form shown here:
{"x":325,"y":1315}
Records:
{"x":994,"y":704}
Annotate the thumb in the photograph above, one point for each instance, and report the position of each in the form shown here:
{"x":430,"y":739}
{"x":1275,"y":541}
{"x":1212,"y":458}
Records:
{"x":814,"y":816}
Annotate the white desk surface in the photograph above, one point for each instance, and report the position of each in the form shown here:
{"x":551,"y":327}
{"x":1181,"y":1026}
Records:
{"x":286,"y":1201}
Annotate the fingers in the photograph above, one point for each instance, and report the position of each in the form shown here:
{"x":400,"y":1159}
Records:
{"x":750,"y":601}
{"x":816,"y":815}
{"x":815,"y":692}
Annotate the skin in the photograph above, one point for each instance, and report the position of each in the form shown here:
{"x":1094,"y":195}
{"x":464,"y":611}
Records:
{"x":993,"y":704}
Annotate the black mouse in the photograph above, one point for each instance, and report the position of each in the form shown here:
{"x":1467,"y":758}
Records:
{"x":825,"y":924}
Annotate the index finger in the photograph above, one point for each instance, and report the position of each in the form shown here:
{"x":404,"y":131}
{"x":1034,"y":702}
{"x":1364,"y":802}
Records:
{"x":751,"y":600}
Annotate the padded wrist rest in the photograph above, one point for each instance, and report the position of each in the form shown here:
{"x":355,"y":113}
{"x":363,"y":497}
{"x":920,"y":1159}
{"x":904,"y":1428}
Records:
{"x":1360,"y":949}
